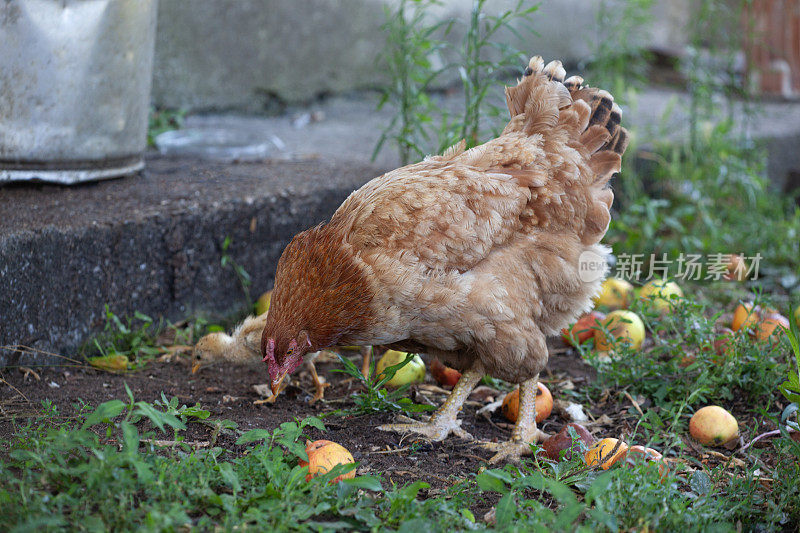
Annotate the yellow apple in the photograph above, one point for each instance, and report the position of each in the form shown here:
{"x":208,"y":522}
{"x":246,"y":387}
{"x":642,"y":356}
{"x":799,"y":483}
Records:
{"x":625,"y":327}
{"x":745,"y":316}
{"x":713,"y":426}
{"x":659,"y":292}
{"x":413,"y":372}
{"x":323,"y":455}
{"x":614,"y":293}
{"x":262,"y":304}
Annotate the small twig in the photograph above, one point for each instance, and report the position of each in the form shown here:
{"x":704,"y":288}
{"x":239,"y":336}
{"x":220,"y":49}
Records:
{"x":772,"y":433}
{"x":633,"y":402}
{"x":16,"y":389}
{"x":27,"y":349}
{"x":172,"y":443}
{"x":395,"y":450}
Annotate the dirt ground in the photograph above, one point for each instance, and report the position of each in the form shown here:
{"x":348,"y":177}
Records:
{"x":228,"y":393}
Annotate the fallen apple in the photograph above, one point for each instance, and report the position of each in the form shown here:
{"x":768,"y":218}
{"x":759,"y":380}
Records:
{"x":605,"y":453}
{"x":767,"y":326}
{"x":745,"y":316}
{"x":736,"y":268}
{"x":323,"y":455}
{"x":713,"y":426}
{"x":110,"y":363}
{"x":624,"y":327}
{"x":637,"y":454}
{"x":561,"y":445}
{"x":544,"y":404}
{"x":443,"y":374}
{"x":582,"y":330}
{"x":658,"y":293}
{"x":412,"y":372}
{"x":262,"y":304}
{"x":614,"y":293}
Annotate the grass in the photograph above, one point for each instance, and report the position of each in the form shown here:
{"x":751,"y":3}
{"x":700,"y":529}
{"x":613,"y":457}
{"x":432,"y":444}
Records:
{"x":131,"y":462}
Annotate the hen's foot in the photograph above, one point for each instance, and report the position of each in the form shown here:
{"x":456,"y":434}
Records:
{"x":513,"y":450}
{"x":434,"y":429}
{"x":319,"y":393}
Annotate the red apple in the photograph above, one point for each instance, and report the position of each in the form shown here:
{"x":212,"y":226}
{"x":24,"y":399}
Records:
{"x":582,"y":329}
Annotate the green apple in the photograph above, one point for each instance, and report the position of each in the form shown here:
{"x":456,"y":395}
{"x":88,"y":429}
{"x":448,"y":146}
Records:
{"x":614,"y":293}
{"x":625,"y":326}
{"x":412,"y":372}
{"x":262,"y":304}
{"x":659,"y":292}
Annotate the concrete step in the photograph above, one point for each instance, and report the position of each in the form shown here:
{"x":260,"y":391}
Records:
{"x":151,"y":242}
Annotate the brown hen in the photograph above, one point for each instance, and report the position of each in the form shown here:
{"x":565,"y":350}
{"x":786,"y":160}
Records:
{"x":473,"y":256}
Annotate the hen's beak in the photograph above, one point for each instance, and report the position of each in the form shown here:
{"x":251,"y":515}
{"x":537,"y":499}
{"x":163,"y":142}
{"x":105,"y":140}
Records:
{"x":195,"y":368}
{"x":276,"y":384}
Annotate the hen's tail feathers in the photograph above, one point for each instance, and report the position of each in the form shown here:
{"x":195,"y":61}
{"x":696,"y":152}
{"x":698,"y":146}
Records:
{"x":585,"y":118}
{"x":544,"y":99}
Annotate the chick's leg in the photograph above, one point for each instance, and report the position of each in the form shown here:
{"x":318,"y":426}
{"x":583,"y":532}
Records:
{"x":525,"y":432}
{"x":444,"y":421}
{"x":319,"y":383}
{"x":366,"y":354}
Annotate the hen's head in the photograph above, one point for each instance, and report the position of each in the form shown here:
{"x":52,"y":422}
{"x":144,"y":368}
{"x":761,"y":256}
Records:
{"x":283,"y":353}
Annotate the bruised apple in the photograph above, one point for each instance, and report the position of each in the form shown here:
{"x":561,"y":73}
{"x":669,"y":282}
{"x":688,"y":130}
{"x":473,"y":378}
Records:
{"x":582,"y":330}
{"x":323,"y":455}
{"x":638,"y":454}
{"x":444,"y":375}
{"x":605,"y":453}
{"x":544,"y":404}
{"x":562,"y":442}
{"x":713,"y":426}
{"x":769,"y":324}
{"x":736,"y":268}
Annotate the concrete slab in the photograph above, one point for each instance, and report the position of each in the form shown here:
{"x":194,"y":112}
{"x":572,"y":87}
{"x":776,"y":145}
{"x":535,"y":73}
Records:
{"x":152,"y":242}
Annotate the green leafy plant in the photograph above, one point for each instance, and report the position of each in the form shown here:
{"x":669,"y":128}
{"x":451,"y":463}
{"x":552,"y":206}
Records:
{"x":227,"y":261}
{"x":162,"y":120}
{"x":480,"y":58}
{"x":133,"y":337}
{"x":375,"y":396}
{"x":411,"y":54}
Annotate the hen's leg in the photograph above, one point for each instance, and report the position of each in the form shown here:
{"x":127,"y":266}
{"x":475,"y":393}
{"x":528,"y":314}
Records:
{"x":525,"y":431}
{"x":319,"y":384}
{"x":366,"y":354}
{"x":444,"y":421}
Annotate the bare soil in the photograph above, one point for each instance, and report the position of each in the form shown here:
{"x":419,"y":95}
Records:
{"x":228,"y":393}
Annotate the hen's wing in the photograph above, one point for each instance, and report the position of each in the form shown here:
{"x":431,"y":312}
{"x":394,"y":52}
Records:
{"x":444,"y":214}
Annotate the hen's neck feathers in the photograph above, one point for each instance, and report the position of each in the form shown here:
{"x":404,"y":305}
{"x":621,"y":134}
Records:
{"x":320,"y":288}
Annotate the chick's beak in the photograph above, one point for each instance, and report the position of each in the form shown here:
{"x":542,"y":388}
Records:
{"x":195,"y":368}
{"x":276,"y":384}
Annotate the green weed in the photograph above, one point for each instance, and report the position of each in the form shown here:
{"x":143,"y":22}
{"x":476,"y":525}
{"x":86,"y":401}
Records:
{"x":227,"y":261}
{"x":376,"y":397}
{"x":162,"y":120}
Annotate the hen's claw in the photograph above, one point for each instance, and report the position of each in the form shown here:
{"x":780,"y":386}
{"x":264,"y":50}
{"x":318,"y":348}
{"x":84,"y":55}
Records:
{"x":434,"y":430}
{"x":513,"y":450}
{"x":319,"y":393}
